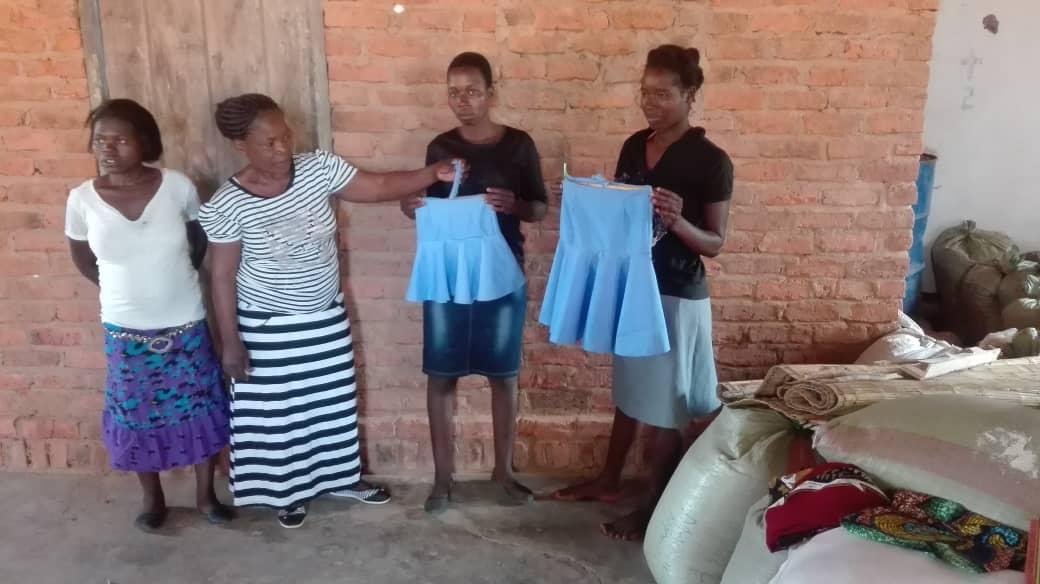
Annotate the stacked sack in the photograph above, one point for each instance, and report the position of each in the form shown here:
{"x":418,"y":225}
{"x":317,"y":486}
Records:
{"x":700,"y":516}
{"x":984,"y":283}
{"x":1019,"y":293}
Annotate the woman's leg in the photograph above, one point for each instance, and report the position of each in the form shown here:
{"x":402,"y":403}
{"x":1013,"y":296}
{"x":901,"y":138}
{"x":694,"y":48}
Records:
{"x":607,"y":485}
{"x":666,"y":451}
{"x":153,"y":512}
{"x":206,"y":500}
{"x":668,"y":448}
{"x":503,"y":419}
{"x":440,"y":405}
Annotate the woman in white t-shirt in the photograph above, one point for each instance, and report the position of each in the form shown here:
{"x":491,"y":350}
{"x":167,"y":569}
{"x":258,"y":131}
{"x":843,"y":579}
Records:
{"x":134,"y":232}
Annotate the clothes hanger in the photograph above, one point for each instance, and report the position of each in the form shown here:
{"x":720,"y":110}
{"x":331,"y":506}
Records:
{"x":600,"y":182}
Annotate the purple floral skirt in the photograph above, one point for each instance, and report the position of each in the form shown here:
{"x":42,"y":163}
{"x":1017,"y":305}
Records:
{"x":165,"y":404}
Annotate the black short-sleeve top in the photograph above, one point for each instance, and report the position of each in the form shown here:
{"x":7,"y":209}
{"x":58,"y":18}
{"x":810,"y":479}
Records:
{"x":511,"y":163}
{"x":698,"y":171}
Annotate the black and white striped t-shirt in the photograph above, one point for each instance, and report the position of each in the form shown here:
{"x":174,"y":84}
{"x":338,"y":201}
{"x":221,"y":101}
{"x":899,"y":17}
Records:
{"x":289,"y":262}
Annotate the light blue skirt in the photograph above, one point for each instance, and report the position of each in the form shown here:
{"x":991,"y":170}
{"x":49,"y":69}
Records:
{"x":672,"y":389}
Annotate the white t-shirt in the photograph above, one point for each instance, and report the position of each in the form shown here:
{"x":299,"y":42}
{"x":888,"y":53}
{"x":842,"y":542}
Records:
{"x":144,"y":266}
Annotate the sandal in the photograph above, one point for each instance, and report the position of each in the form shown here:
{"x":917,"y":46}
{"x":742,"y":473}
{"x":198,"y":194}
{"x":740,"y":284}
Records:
{"x":150,"y":521}
{"x":292,"y":518}
{"x":368,"y":494}
{"x":437,"y":504}
{"x":219,"y":514}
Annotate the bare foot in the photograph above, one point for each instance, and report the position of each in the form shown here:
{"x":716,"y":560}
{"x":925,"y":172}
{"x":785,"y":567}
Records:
{"x":597,"y":489}
{"x":439,"y":497}
{"x":631,"y":527}
{"x":513,"y":492}
{"x":442,"y":488}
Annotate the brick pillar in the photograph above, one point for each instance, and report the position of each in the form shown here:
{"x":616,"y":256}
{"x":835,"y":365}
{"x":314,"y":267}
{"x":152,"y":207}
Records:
{"x":50,"y":358}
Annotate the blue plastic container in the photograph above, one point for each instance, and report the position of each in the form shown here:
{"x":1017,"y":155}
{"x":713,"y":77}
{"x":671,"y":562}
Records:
{"x":925,"y":180}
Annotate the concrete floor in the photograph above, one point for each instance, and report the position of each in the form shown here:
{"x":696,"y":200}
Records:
{"x":78,"y":530}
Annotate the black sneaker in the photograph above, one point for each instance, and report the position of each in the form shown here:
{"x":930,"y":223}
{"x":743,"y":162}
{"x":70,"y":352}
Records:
{"x":368,"y":494}
{"x":292,"y":518}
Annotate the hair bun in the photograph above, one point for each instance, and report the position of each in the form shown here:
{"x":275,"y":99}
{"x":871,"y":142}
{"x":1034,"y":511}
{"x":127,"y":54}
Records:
{"x":684,"y":62}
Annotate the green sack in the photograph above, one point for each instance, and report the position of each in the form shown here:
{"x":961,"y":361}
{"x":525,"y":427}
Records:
{"x":1026,"y":343}
{"x":1019,"y":285}
{"x":1022,"y":313}
{"x":954,"y":254}
{"x":1021,"y":278}
{"x":978,"y":303}
{"x":974,"y":244}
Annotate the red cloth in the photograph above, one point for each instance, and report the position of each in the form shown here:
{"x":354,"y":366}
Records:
{"x":817,"y":499}
{"x":800,"y":454}
{"x":1033,"y":554}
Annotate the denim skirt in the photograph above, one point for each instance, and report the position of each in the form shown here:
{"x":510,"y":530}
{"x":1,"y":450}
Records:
{"x":482,"y":338}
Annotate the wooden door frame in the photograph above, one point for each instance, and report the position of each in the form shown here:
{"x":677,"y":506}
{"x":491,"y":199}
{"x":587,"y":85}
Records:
{"x":97,"y":78}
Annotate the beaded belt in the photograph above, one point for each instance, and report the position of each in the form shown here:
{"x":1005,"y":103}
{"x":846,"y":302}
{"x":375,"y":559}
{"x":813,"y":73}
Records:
{"x":161,"y":343}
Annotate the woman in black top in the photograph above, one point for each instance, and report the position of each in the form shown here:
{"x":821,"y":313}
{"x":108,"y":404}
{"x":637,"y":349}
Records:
{"x":693,"y":181}
{"x":483,"y":338}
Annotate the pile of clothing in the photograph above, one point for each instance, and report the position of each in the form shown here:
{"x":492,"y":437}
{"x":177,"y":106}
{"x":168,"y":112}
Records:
{"x":841,"y":497}
{"x":956,"y":477}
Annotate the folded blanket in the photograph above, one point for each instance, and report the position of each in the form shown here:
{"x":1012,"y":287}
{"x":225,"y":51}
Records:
{"x":944,"y":529}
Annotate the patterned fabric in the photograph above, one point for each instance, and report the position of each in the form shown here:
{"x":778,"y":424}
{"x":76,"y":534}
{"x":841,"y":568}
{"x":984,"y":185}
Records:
{"x":944,"y":529}
{"x":816,"y":499}
{"x":165,"y":404}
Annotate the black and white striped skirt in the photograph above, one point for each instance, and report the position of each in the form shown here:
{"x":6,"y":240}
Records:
{"x":294,"y":422}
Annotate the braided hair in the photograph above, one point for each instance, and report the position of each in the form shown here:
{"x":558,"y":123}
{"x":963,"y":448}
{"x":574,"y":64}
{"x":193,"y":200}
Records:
{"x":235,"y":115}
{"x":685,"y":63}
{"x":139,"y":118}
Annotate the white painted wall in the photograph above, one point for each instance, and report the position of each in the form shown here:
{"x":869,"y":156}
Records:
{"x":983,"y":119}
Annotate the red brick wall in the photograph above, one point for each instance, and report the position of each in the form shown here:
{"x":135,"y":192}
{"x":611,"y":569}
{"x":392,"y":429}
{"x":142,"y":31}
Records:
{"x":819,"y":103}
{"x":49,"y":351}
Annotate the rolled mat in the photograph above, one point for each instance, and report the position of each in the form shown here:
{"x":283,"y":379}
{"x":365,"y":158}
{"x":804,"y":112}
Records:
{"x":813,"y":393}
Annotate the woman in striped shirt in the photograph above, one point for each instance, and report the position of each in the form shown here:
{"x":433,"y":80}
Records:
{"x":286,"y":341}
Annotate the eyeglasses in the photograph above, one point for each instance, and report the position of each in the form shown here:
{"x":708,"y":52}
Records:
{"x":659,"y":95}
{"x":100,"y":141}
{"x":470,"y":93}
